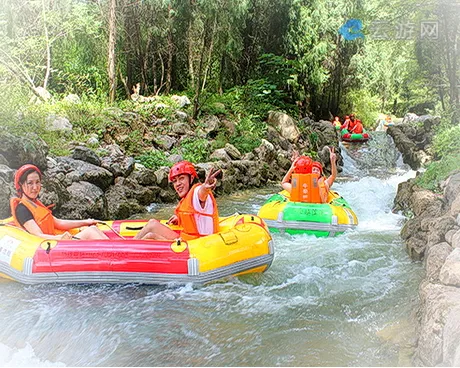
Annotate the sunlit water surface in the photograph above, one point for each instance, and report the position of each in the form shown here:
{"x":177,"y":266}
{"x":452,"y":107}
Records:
{"x":344,"y":301}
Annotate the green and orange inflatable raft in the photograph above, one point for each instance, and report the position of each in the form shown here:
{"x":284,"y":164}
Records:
{"x":319,"y":219}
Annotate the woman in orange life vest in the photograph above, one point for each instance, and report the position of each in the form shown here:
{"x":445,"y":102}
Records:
{"x":197,"y":210}
{"x":305,"y":165}
{"x":32,"y":215}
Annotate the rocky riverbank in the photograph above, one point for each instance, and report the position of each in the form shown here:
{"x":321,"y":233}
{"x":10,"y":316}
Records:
{"x":104,"y":183}
{"x":432,"y":235}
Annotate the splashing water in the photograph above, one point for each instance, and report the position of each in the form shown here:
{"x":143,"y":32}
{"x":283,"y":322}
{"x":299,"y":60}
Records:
{"x":342,"y":301}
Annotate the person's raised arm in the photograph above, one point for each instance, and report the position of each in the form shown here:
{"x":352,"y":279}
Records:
{"x":286,"y":182}
{"x":333,"y":158}
{"x":208,"y":185}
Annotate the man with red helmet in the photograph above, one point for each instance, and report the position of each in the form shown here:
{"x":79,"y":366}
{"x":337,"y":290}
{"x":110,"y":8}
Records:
{"x":197,"y":210}
{"x":32,"y":215}
{"x":305,"y":165}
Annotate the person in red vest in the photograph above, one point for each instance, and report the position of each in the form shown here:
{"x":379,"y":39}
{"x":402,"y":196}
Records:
{"x":351,"y":123}
{"x":197,"y":210}
{"x":357,"y":128}
{"x":33,"y":216}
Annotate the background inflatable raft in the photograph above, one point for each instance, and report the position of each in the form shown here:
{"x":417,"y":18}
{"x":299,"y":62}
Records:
{"x":354,"y":137}
{"x":320,"y":219}
{"x":243,"y":245}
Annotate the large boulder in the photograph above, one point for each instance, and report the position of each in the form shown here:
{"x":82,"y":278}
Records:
{"x":285,"y":125}
{"x":6,"y":192}
{"x":77,"y":170}
{"x":434,"y":260}
{"x":211,"y":126}
{"x":437,"y":304}
{"x":266,"y":152}
{"x":86,"y":200}
{"x":406,"y":146}
{"x":450,"y":271}
{"x":86,"y":154}
{"x":452,"y":188}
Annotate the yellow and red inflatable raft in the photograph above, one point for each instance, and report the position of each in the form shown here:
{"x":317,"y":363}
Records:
{"x":243,"y":245}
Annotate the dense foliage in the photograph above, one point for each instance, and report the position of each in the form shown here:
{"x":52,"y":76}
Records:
{"x":233,"y":58}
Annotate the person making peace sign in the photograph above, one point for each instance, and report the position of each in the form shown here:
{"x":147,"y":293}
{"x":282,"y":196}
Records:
{"x":197,"y":210}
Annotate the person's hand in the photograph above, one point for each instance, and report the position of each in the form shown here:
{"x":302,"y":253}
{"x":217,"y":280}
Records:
{"x":90,"y":222}
{"x":332,"y":155}
{"x":173,"y":220}
{"x":211,"y":180}
{"x":295,"y":156}
{"x":66,"y":236}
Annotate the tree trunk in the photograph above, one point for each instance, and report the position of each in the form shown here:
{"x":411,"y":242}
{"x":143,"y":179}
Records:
{"x":211,"y":47}
{"x":111,"y":51}
{"x":48,"y":48}
{"x":170,"y":51}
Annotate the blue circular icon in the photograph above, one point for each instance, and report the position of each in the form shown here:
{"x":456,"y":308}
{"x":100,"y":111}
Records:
{"x":351,"y":29}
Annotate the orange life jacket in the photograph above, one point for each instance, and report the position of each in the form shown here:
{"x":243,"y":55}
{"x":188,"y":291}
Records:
{"x":185,"y":212}
{"x":42,"y":214}
{"x":310,"y":188}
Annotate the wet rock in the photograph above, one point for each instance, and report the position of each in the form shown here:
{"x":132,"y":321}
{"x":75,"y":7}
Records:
{"x":450,"y":271}
{"x":452,"y":189}
{"x":434,"y":260}
{"x":437,"y":302}
{"x":456,"y":239}
{"x":450,"y":235}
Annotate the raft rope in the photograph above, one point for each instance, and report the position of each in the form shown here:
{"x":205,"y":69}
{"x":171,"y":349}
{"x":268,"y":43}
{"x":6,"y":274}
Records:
{"x":111,"y":228}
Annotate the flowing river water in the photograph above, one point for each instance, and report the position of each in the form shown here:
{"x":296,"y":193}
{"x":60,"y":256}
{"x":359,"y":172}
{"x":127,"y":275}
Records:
{"x":343,"y":301}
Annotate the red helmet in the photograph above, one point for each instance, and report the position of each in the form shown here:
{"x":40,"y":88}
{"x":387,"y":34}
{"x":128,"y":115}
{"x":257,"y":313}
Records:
{"x":317,"y":165}
{"x":20,"y":172}
{"x":303,"y":165}
{"x":182,"y":167}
